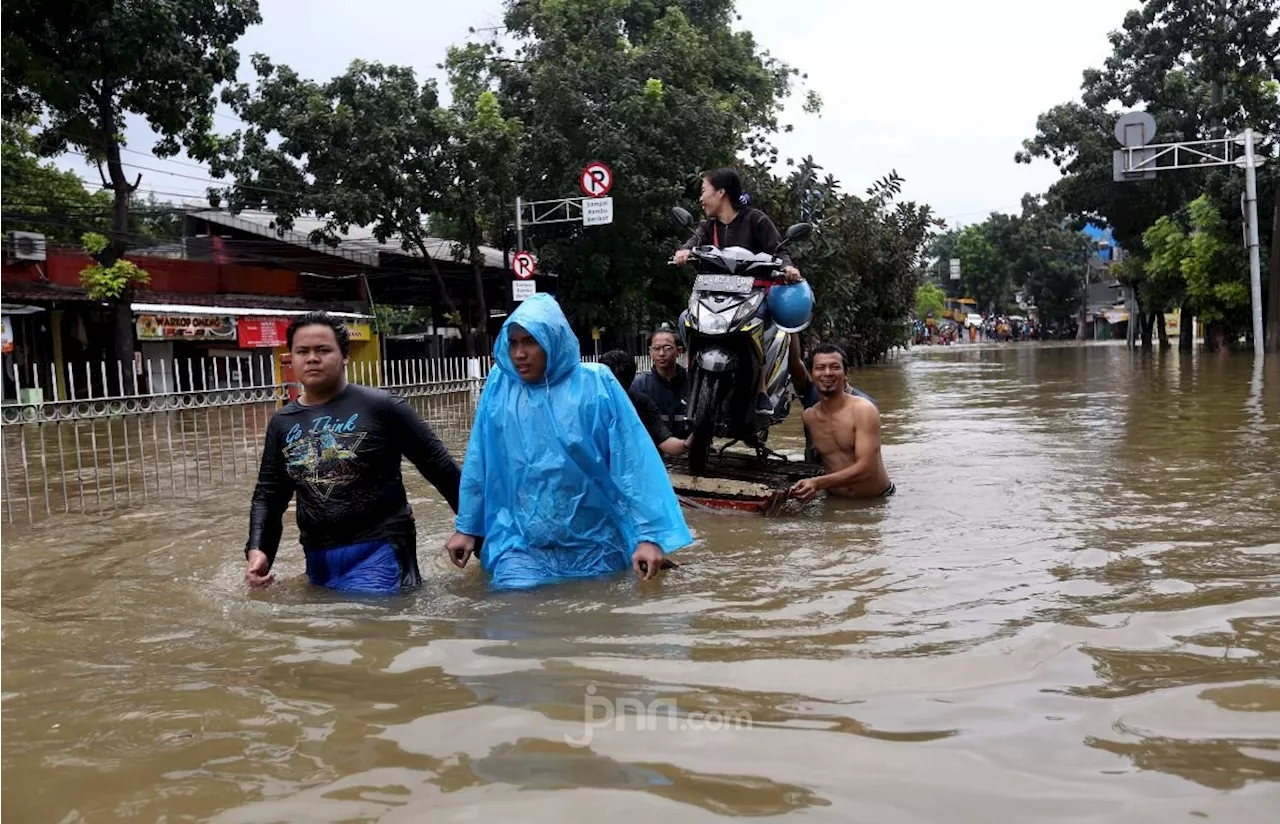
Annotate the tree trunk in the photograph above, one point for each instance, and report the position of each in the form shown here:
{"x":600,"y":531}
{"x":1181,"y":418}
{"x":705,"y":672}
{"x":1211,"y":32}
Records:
{"x":1146,"y":321}
{"x":1158,"y":319}
{"x":1272,"y":333}
{"x":1215,"y":337}
{"x":1186,"y":328}
{"x":477,"y":271}
{"x":449,"y":305}
{"x":122,"y":323}
{"x":122,"y":192}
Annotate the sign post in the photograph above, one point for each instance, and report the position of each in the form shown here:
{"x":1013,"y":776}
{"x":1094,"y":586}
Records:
{"x":1138,"y":160}
{"x":596,"y":179}
{"x":1255,"y":264}
{"x":523,"y":290}
{"x":523,"y":265}
{"x":523,"y":287}
{"x":593,"y":209}
{"x":598,"y":211}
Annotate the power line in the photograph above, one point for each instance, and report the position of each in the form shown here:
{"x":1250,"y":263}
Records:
{"x":164,"y":159}
{"x":75,"y":209}
{"x":201,"y":179}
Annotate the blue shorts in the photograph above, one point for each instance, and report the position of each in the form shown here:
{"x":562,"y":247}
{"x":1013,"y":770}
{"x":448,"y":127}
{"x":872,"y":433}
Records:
{"x":371,"y":567}
{"x":526,"y":569}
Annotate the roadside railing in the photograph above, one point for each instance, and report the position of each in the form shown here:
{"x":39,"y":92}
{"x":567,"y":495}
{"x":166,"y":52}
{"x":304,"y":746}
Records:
{"x":73,"y":441}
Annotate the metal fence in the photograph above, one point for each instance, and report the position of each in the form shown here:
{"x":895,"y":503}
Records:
{"x":68,"y":446}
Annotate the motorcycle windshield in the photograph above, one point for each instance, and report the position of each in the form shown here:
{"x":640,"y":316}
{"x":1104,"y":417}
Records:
{"x":735,"y":258}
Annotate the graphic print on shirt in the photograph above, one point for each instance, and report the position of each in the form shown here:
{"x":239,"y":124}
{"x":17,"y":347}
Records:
{"x":324,"y":456}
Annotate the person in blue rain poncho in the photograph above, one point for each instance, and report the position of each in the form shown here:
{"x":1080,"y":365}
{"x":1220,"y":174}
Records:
{"x":560,"y":478}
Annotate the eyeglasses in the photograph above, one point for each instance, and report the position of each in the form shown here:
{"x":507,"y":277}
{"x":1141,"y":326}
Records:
{"x":660,"y":349}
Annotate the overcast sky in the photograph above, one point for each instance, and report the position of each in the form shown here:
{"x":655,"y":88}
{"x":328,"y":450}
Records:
{"x":942,"y":91}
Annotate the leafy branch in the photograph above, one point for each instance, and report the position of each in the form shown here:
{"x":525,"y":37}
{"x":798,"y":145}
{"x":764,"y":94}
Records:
{"x":109,"y":283}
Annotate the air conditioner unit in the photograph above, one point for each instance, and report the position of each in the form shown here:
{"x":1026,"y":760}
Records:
{"x":26,"y":246}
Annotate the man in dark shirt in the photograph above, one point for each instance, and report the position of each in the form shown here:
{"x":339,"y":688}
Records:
{"x":667,"y":384}
{"x":339,"y":448}
{"x":623,"y":367}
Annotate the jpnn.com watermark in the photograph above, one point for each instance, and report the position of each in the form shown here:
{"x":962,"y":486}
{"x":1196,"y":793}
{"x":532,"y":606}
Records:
{"x":634,"y":714}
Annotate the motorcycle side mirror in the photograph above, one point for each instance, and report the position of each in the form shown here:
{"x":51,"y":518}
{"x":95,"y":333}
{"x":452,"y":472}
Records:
{"x":798,"y":231}
{"x":682,"y":217}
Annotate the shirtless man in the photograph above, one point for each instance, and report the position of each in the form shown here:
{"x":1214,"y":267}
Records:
{"x":845,"y":429}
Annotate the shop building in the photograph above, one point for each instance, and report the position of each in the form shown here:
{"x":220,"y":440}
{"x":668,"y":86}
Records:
{"x":218,"y":303}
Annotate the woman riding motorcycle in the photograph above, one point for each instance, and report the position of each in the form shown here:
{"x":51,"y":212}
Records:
{"x":731,"y":221}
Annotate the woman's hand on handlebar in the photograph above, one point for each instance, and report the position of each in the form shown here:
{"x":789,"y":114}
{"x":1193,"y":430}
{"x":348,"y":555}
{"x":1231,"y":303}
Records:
{"x":680,"y":257}
{"x":792,"y":274}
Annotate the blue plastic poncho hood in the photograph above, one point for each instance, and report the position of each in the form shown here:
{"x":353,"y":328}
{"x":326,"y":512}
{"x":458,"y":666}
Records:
{"x":543,"y":318}
{"x":560,"y":476}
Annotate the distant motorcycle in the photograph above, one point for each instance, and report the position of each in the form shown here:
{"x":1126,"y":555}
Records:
{"x":729,"y":343}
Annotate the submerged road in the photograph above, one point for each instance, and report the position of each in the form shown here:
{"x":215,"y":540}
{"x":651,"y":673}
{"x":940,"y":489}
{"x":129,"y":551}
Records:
{"x":1069,"y":612}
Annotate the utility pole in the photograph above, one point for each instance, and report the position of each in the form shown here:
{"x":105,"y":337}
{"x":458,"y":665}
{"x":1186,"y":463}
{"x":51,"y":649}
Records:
{"x":1255,"y":264}
{"x":519,"y":224}
{"x":1084,"y":302}
{"x":1131,"y":302}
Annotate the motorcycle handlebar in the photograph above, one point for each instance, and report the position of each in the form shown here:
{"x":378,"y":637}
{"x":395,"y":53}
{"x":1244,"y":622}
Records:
{"x":775,"y":273}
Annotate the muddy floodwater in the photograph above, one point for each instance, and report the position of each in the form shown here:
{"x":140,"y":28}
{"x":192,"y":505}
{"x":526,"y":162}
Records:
{"x":1070,"y":612}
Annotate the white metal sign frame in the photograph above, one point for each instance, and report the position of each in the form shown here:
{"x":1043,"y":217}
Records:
{"x":1206,"y":154}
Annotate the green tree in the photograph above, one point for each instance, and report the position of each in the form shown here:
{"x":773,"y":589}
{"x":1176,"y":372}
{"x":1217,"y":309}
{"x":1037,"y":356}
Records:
{"x":1050,"y":260}
{"x":1057,"y":262}
{"x":396,"y":320}
{"x":1035,"y":251}
{"x":1200,"y":68}
{"x":482,"y":165}
{"x":373,"y":147}
{"x":984,"y":269}
{"x":940,"y":251}
{"x":863,"y":259}
{"x":82,"y":67}
{"x":930,"y":298}
{"x":1197,"y":256}
{"x":39,"y":197}
{"x":154,"y":221}
{"x":660,"y":90}
{"x":107,"y":282}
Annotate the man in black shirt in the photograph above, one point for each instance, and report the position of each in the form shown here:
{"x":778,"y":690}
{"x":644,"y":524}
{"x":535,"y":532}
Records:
{"x":339,"y":448}
{"x":667,"y":384}
{"x":623,"y":367}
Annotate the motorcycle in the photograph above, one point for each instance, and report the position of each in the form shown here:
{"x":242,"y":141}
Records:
{"x":729,"y":343}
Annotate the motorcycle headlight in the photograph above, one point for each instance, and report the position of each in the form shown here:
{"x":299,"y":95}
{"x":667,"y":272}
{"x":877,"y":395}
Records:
{"x":714,"y":324}
{"x":748,"y":308}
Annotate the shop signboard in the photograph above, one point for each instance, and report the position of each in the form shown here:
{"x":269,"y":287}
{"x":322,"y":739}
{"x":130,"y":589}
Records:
{"x":186,"y":327}
{"x":257,"y":333}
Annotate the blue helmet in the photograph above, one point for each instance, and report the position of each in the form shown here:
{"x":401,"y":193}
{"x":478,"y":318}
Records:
{"x":791,"y":306}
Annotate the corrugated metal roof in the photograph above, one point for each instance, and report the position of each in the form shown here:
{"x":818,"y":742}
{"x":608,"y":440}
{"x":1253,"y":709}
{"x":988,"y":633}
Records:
{"x":357,"y":244}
